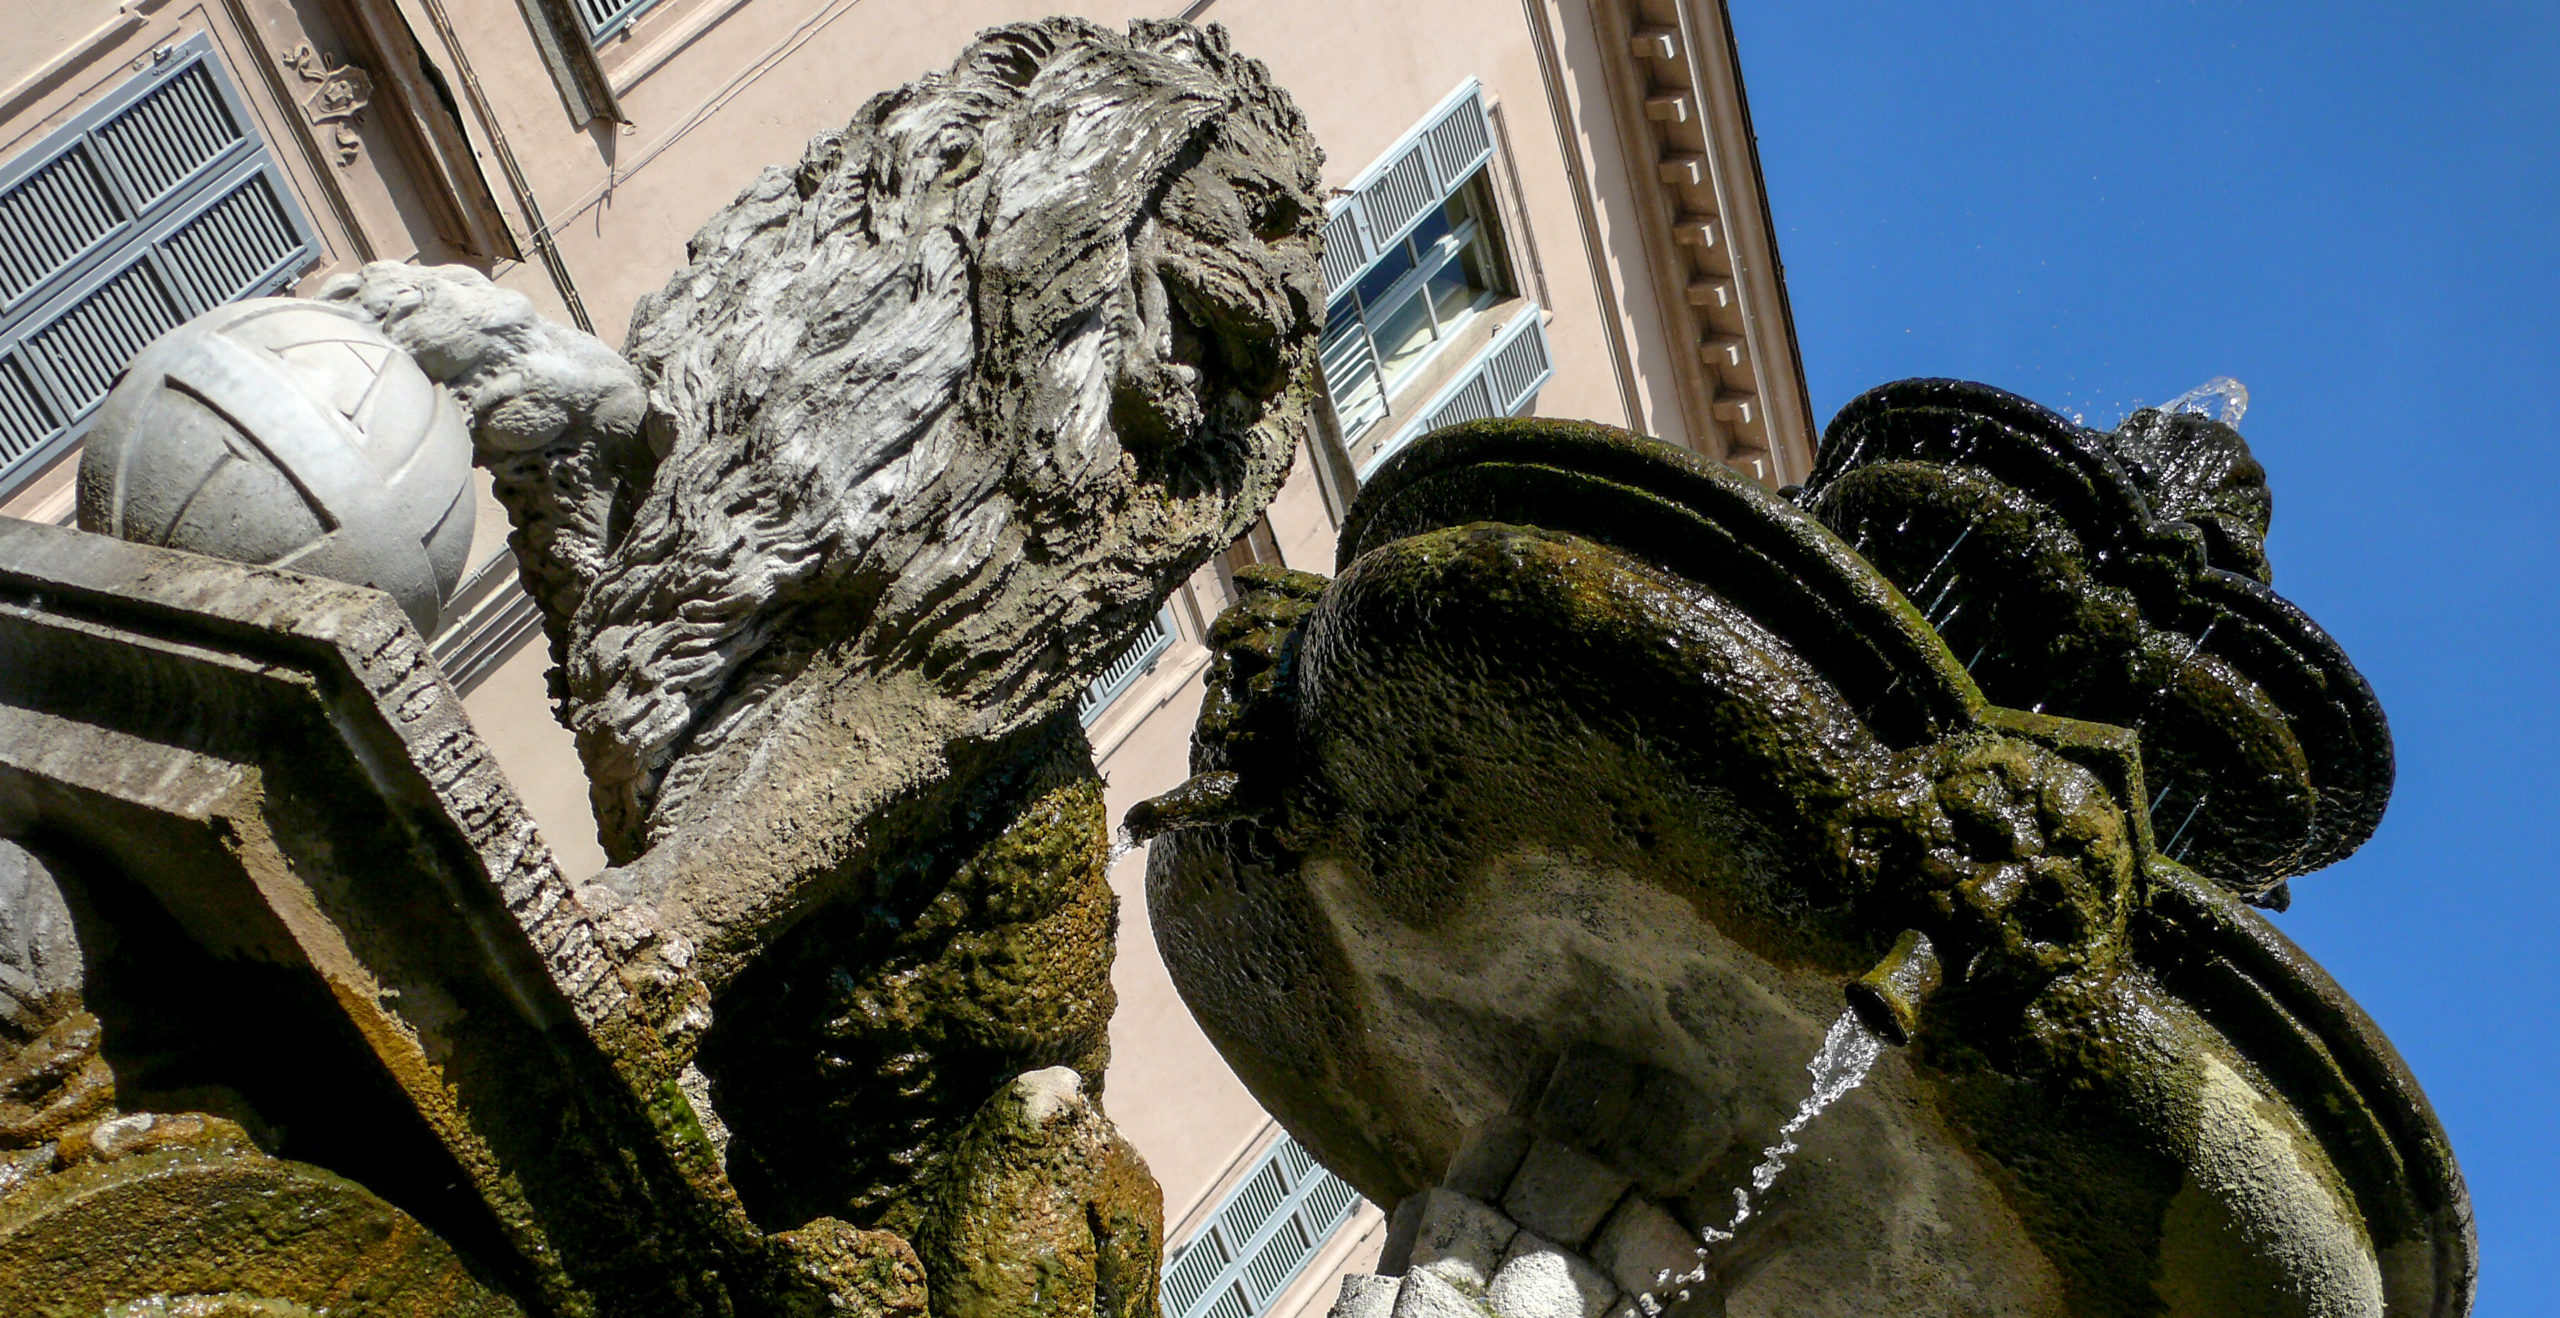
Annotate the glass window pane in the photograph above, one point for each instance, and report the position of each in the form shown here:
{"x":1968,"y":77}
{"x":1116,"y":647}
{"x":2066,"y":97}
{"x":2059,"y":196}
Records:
{"x":1383,"y":276}
{"x":1434,"y":227}
{"x":1454,"y":288}
{"x":1403,"y":333}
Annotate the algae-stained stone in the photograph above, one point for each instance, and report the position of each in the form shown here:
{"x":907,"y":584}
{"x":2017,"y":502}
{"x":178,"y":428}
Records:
{"x":1044,"y":1209}
{"x":2121,"y":576}
{"x":207,"y":749}
{"x":1595,"y":752}
{"x":850,"y":1060}
{"x":214,"y":1217}
{"x":924,"y":434}
{"x":832,"y":1269}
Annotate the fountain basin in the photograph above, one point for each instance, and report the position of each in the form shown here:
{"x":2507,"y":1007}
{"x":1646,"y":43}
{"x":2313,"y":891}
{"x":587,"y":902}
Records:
{"x":1592,"y":750}
{"x":2121,"y":576}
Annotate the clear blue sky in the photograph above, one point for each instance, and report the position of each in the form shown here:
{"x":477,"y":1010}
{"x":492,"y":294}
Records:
{"x":2355,"y":210}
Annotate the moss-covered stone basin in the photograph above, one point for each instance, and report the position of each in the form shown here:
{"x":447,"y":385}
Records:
{"x":1593,"y":749}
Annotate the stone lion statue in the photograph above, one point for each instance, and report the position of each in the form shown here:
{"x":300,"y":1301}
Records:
{"x":922,"y":435}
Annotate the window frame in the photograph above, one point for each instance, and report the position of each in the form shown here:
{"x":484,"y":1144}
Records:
{"x":135,"y":240}
{"x":615,"y":22}
{"x":1477,"y":232}
{"x":1447,"y":155}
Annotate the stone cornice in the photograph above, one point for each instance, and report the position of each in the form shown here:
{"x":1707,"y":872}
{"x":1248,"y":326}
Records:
{"x":1685,"y":125}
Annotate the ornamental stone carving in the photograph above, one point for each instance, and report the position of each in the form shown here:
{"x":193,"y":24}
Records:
{"x":338,"y":97}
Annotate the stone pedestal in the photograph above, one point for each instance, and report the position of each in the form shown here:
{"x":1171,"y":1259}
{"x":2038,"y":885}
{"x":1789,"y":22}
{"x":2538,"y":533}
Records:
{"x":306,"y":897}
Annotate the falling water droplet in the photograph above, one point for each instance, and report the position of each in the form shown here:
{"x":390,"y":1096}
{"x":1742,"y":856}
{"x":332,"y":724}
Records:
{"x":1848,"y":1052}
{"x":2172,"y":849}
{"x":2221,"y":398}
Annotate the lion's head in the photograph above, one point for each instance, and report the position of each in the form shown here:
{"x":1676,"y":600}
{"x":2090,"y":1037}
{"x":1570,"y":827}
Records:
{"x":967,"y":391}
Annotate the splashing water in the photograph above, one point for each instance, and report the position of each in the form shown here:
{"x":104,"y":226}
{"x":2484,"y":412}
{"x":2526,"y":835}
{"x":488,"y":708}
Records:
{"x":1840,"y":1065}
{"x":2221,"y":398}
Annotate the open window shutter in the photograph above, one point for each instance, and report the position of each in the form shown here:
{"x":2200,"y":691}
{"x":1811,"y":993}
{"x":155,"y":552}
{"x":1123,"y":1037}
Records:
{"x":1403,"y":185}
{"x":1133,"y":663}
{"x":1352,"y":374}
{"x":1501,"y":381}
{"x":158,"y":204}
{"x":1516,"y":365}
{"x":1260,"y":1239}
{"x":1346,"y":253}
{"x":1413,"y":178}
{"x":606,"y":17}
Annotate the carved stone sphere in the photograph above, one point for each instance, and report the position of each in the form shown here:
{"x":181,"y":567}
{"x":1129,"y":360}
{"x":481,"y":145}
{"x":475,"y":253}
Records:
{"x":290,"y":434}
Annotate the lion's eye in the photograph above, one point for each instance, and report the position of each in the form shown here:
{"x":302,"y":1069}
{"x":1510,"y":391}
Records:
{"x":1275,"y":216}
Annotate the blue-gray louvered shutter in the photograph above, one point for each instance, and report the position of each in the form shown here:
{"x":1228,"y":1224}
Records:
{"x":1505,"y":375}
{"x":157,"y":204}
{"x":1407,"y":182}
{"x":606,"y":17}
{"x":1273,"y":1222}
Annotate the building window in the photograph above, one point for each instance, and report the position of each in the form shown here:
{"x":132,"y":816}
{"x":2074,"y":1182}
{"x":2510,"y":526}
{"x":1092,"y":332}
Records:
{"x":606,"y":17}
{"x":156,"y":205}
{"x":1413,"y":260}
{"x":1260,"y":1239}
{"x":1124,"y":672}
{"x":1502,"y":379}
{"x":1411,"y":298}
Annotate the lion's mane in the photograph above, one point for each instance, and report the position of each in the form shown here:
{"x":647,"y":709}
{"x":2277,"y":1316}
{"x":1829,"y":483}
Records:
{"x":923,"y":399}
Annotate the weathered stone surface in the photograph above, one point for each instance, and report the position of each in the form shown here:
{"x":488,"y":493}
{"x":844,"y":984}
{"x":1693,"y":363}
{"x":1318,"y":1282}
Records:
{"x":1005,"y":967}
{"x":1457,"y":1238}
{"x":1646,"y":1121}
{"x":1044,"y":1210}
{"x":951,"y":438}
{"x":554,"y":414}
{"x":1425,"y":1295}
{"x":2121,"y":577}
{"x":1562,"y":1193}
{"x":1596,"y":753}
{"x":830,"y":1269}
{"x":1486,"y":1162}
{"x":278,"y":430}
{"x":1540,"y":1279}
{"x":880,"y":441}
{"x":51,"y":1072}
{"x":1365,"y":1295}
{"x":165,"y":1207}
{"x":449,"y":1023}
{"x":1641,"y":1244}
{"x":928,"y":427}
